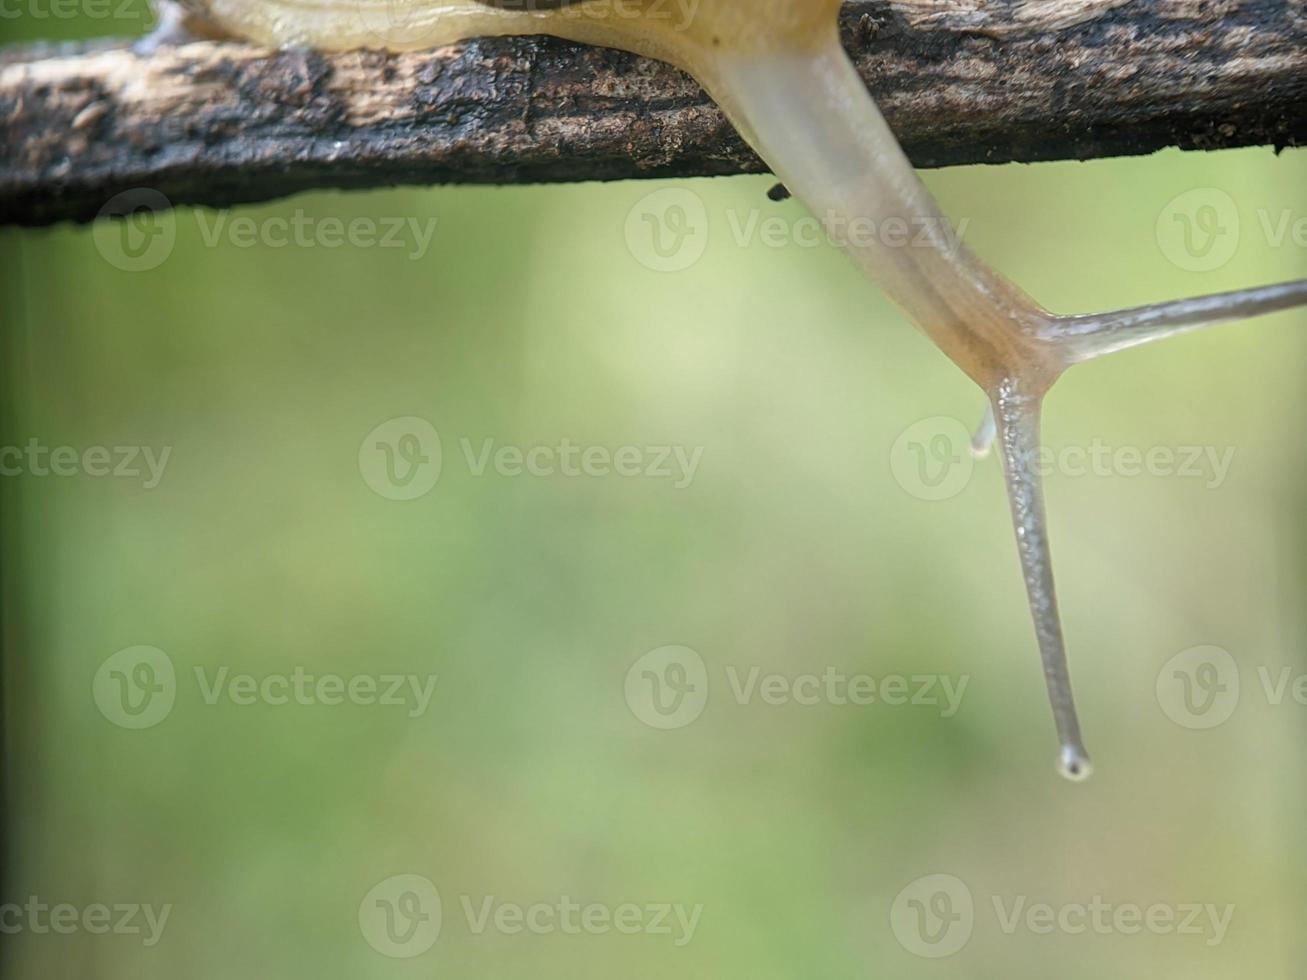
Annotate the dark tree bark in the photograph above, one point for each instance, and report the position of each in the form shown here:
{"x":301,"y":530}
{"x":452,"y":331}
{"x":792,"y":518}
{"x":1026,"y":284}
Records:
{"x":962,"y":81}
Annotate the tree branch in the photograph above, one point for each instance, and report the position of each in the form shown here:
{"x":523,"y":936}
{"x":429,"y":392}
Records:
{"x":962,"y":81}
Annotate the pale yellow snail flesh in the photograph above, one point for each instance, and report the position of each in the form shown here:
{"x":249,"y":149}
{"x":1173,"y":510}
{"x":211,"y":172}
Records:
{"x":778,"y":70}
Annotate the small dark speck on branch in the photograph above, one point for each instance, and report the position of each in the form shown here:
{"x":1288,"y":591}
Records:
{"x":218,"y":123}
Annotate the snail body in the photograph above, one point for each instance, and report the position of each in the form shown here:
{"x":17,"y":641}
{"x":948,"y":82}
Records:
{"x":776,"y":67}
{"x":691,"y":34}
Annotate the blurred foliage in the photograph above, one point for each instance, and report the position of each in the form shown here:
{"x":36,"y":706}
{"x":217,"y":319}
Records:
{"x":793,"y":550}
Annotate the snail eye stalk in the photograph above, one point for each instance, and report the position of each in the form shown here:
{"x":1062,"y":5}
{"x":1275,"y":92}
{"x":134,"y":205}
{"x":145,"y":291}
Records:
{"x":777,"y":68}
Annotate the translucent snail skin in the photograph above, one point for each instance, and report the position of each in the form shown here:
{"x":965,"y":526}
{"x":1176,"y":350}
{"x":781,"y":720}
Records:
{"x":778,"y":70}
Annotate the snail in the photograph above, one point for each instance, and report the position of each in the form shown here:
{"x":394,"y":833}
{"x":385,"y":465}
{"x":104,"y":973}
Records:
{"x":779,"y":72}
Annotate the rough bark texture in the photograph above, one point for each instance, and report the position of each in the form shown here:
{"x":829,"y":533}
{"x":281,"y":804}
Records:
{"x":962,"y":81}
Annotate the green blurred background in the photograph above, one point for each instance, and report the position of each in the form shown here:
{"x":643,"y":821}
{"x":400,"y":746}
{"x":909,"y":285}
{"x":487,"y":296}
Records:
{"x":534,"y":316}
